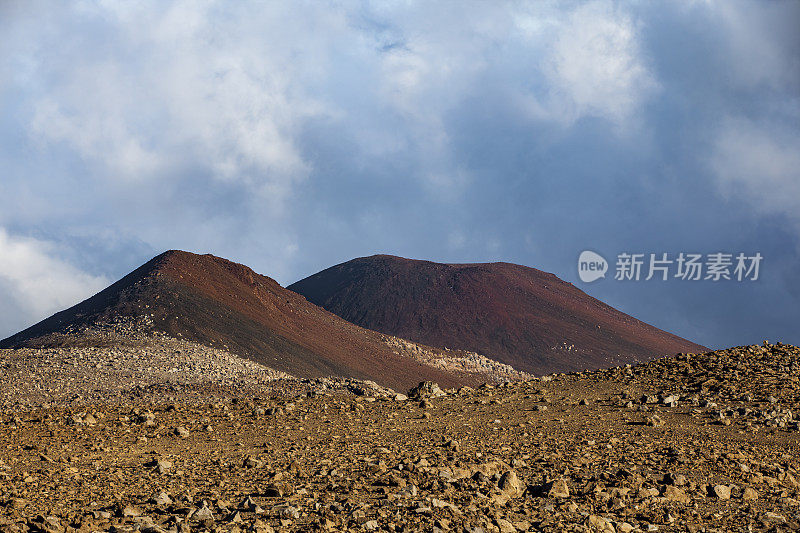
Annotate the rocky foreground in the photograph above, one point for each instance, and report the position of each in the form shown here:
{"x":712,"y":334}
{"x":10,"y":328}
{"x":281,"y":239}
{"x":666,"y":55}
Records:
{"x":698,"y":442}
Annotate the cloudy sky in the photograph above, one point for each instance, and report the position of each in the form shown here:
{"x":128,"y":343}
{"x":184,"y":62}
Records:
{"x":292,"y":136}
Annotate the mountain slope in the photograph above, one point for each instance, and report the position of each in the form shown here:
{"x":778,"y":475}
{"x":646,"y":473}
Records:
{"x":219,"y":303}
{"x":518,"y":315}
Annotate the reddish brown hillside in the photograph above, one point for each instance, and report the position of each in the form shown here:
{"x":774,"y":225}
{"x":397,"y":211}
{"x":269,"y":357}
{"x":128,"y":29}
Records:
{"x":223,"y":304}
{"x":517,"y":315}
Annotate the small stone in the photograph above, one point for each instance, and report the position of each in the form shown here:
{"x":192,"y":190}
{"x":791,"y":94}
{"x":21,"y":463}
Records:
{"x":600,"y":524}
{"x":51,"y":524}
{"x":252,"y":462}
{"x":287,"y":511}
{"x":261,"y":527}
{"x":248,"y":504}
{"x":162,"y":498}
{"x":511,"y":485}
{"x":160,"y":465}
{"x":679,"y":480}
{"x":723,"y":492}
{"x":203,"y":513}
{"x":147,"y":418}
{"x":749,"y":493}
{"x":645,"y":493}
{"x":675,"y":494}
{"x":181,"y":432}
{"x":774,"y":517}
{"x":18,"y":503}
{"x":558,"y":489}
{"x":505,"y":526}
{"x":131,"y":511}
{"x":426,"y":389}
{"x":671,"y":400}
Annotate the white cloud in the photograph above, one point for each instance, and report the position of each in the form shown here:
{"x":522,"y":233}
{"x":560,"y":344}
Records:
{"x":759,"y":163}
{"x":35,"y":282}
{"x":97,"y":133}
{"x":148,"y":92}
{"x":596,"y":67}
{"x":179,"y":89}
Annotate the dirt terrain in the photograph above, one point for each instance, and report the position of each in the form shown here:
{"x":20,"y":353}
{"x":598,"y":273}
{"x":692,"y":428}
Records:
{"x":521,"y":316}
{"x":697,"y":442}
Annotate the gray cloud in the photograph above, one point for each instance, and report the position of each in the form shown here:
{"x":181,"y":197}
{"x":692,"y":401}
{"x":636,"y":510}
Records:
{"x":760,"y":162}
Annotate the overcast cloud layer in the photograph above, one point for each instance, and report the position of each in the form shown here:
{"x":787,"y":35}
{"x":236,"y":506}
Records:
{"x":293,"y":136}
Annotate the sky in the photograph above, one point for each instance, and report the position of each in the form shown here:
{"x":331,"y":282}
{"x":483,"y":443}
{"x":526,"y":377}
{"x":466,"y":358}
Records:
{"x":292,"y":136}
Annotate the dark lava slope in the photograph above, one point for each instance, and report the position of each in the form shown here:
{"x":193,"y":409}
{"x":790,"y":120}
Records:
{"x":219,"y":303}
{"x":518,"y":315}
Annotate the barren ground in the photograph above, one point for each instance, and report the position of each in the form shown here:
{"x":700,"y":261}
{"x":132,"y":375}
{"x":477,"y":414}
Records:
{"x":703,"y":442}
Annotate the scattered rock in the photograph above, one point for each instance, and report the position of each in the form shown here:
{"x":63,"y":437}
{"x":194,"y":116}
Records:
{"x":598,"y":523}
{"x":203,"y":513}
{"x":749,"y":493}
{"x":558,"y":489}
{"x":130,"y":511}
{"x":511,"y":485}
{"x":426,"y":389}
{"x":675,"y":494}
{"x":723,"y":492}
{"x":162,"y":498}
{"x":310,"y":455}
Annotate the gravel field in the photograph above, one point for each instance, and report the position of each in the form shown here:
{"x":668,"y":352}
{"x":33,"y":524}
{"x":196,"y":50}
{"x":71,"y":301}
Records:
{"x":705,"y":442}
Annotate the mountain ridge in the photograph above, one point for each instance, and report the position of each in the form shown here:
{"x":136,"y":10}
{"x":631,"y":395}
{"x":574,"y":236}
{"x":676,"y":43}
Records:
{"x":223,"y":304}
{"x":514,"y":314}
